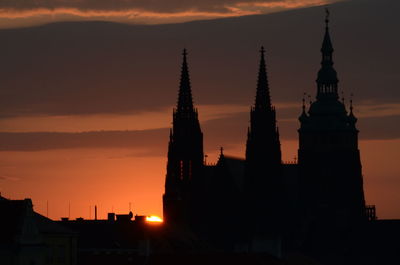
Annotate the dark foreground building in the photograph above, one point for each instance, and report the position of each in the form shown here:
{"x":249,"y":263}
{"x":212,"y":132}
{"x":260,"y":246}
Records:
{"x":28,"y":238}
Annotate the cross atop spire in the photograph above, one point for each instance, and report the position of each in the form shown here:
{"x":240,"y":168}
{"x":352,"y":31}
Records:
{"x":263,"y":99}
{"x":185,"y":101}
{"x":327,"y":17}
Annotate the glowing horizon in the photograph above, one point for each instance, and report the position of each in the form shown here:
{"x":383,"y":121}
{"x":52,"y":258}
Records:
{"x":154,"y":219}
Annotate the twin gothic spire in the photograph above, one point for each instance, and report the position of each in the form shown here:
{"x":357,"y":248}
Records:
{"x":185,"y":99}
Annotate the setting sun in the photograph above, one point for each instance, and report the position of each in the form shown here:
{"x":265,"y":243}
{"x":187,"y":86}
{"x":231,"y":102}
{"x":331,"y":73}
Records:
{"x":154,"y":219}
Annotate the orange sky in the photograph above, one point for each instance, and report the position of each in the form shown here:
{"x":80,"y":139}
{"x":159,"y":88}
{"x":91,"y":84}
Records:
{"x":114,"y":177}
{"x":101,"y":85}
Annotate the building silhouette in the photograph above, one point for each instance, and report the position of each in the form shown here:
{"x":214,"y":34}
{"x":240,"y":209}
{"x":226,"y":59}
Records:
{"x":308,"y":204}
{"x":30,"y":238}
{"x":331,"y":184}
{"x":185,"y":158}
{"x":263,"y":166}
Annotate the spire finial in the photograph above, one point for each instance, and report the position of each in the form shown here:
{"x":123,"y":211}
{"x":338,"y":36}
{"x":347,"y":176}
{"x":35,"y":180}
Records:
{"x":221,"y":151}
{"x":327,"y":16}
{"x":262,"y":51}
{"x":304,"y":102}
{"x":327,"y":77}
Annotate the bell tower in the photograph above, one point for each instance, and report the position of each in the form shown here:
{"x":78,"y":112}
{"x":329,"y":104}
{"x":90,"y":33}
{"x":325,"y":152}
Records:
{"x":185,"y":155}
{"x":263,"y":168}
{"x":331,"y":182}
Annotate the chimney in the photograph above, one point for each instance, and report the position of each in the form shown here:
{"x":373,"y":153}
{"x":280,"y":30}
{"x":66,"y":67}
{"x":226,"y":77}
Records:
{"x":111,"y":217}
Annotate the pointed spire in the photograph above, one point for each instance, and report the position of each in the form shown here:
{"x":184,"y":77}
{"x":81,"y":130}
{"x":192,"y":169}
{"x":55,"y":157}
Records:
{"x":263,"y":99}
{"x":185,"y":101}
{"x":327,"y":46}
{"x":327,"y":77}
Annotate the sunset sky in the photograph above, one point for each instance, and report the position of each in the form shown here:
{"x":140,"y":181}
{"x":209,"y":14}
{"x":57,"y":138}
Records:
{"x":86,"y":103}
{"x":30,"y":12}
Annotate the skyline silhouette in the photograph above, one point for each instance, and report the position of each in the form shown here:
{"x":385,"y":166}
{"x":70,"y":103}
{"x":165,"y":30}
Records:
{"x":36,"y":149}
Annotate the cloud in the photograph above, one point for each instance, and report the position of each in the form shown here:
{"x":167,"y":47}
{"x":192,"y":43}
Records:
{"x":37,"y":141}
{"x":8,"y":178}
{"x":226,"y":131}
{"x":162,"y":6}
{"x":32,"y":12}
{"x":108,"y":68}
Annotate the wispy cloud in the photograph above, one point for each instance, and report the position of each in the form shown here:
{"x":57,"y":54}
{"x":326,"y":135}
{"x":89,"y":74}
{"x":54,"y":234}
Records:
{"x":371,"y":109}
{"x":159,"y":6}
{"x":8,"y":178}
{"x":140,"y":12}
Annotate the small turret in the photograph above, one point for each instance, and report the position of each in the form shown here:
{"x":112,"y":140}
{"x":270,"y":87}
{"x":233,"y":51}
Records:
{"x":352,"y":118}
{"x":303,"y":117}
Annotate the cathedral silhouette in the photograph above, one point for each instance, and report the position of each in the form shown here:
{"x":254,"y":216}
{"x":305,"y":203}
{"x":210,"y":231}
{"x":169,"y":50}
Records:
{"x":315,"y":203}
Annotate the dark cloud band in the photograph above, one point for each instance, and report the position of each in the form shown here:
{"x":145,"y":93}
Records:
{"x":154,"y":142}
{"x":163,"y":6}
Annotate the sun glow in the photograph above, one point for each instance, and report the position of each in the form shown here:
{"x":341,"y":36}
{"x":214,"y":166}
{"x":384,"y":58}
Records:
{"x":154,"y":219}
